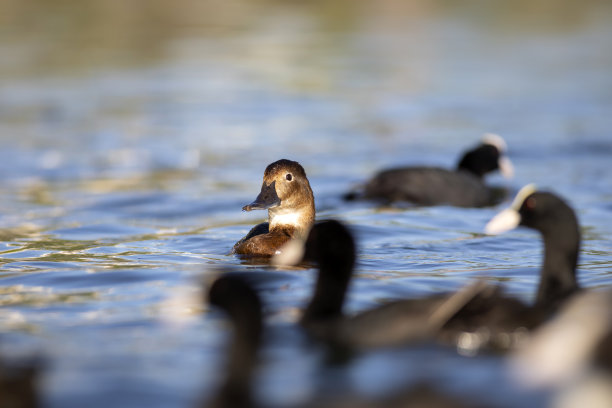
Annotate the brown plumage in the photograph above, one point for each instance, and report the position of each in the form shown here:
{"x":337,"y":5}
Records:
{"x":287,"y":196}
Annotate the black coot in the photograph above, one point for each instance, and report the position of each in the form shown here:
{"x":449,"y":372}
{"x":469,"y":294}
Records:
{"x":425,"y":186}
{"x":236,"y":297}
{"x":330,"y":244}
{"x":233,"y":293}
{"x":479,"y":315}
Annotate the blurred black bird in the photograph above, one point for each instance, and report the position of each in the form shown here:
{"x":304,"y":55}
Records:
{"x":236,"y":297}
{"x":234,"y":294}
{"x":477,"y":316}
{"x":18,"y":384}
{"x":424,"y":186}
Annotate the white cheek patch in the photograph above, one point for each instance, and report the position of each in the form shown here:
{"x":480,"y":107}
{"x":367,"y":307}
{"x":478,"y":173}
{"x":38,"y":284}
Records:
{"x":504,"y":221}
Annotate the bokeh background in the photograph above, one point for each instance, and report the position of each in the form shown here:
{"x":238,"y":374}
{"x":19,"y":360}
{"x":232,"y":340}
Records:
{"x":132,"y":132}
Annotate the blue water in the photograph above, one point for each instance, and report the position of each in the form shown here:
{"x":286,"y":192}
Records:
{"x":129,"y":146}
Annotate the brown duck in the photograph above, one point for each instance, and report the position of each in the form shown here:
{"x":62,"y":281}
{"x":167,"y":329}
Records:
{"x":287,"y":196}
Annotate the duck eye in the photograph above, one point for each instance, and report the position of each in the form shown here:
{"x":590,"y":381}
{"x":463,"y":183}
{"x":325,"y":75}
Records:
{"x":289,"y":177}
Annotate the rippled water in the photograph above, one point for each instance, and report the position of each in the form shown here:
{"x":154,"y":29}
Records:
{"x":132,"y":136}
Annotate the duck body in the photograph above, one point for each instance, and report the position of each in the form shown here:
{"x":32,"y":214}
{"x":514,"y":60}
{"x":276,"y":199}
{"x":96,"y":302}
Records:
{"x":287,"y":196}
{"x":260,"y":241}
{"x":426,"y":186}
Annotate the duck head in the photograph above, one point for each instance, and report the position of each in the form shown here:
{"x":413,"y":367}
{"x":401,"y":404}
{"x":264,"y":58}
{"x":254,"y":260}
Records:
{"x":287,"y":196}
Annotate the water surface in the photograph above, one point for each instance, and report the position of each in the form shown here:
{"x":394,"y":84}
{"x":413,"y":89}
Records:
{"x":132,"y":134}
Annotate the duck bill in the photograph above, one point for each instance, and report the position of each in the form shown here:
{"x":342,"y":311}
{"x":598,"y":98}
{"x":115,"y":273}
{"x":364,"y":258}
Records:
{"x":267,"y":198}
{"x":506,"y":220}
{"x":505,"y":167}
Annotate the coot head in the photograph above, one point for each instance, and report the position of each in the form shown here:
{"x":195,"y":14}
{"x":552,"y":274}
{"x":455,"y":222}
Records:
{"x":540,"y":210}
{"x":556,"y":221}
{"x":236,"y":297}
{"x":330,"y":245}
{"x":487,"y":157}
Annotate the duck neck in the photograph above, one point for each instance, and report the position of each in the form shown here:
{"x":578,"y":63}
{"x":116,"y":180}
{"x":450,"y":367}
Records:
{"x":330,"y":290}
{"x":296,"y":220}
{"x":558,"y":276}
